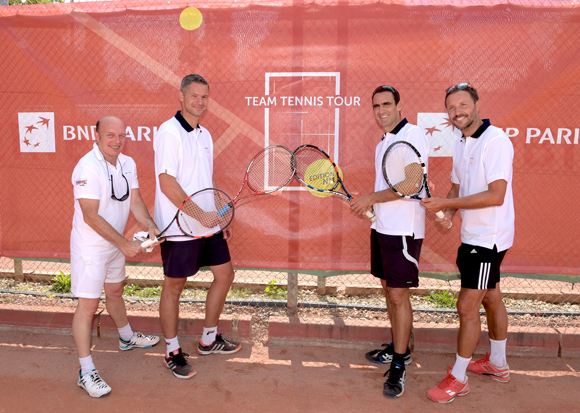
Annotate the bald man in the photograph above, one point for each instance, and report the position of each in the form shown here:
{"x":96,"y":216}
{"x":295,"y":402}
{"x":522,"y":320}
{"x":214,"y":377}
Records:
{"x":106,"y":189}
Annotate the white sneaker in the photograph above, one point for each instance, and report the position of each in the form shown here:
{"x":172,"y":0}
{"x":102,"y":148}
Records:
{"x":93,"y":384}
{"x":138,"y":340}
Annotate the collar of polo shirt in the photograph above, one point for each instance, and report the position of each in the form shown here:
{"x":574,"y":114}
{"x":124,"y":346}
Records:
{"x":184,"y":123}
{"x":486,"y":124}
{"x":397,"y":129}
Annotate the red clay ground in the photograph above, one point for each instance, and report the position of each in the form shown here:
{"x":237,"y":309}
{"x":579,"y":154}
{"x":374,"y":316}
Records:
{"x":38,"y":373}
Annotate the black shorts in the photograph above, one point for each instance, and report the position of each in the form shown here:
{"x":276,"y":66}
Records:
{"x":395,"y":259}
{"x":479,"y":267}
{"x":185,"y":258}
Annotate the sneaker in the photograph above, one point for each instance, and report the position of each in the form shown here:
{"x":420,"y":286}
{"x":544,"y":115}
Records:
{"x":138,"y":340}
{"x":395,"y":385}
{"x":485,"y":368}
{"x":385,"y":355}
{"x":177,"y":362}
{"x":219,"y":346}
{"x":93,"y":384}
{"x":448,"y":389}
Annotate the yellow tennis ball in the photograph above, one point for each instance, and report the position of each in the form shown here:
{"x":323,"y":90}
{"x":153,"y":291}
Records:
{"x":190,"y":18}
{"x":321,"y":174}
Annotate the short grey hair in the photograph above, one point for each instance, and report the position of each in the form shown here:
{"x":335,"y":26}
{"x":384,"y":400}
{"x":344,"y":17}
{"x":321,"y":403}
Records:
{"x":193,"y":78}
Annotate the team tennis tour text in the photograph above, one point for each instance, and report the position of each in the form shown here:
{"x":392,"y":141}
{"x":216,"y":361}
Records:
{"x":303,"y":100}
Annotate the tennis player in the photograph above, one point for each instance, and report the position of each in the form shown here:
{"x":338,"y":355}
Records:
{"x":481,"y":188}
{"x":396,"y":238}
{"x":184,"y":165}
{"x":106,"y":189}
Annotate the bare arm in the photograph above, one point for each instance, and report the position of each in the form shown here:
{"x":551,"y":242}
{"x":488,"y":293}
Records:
{"x":171,"y":189}
{"x":90,"y":208}
{"x":493,"y":196}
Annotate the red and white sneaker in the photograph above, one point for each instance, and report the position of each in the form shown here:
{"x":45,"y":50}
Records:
{"x":485,"y":368}
{"x":448,"y":389}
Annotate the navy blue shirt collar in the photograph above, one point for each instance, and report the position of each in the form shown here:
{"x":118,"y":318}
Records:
{"x":184,"y":123}
{"x":397,"y":128}
{"x":486,"y":124}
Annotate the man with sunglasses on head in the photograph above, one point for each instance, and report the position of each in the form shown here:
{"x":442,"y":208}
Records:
{"x":481,"y":188}
{"x":106,"y":189}
{"x":396,"y":238}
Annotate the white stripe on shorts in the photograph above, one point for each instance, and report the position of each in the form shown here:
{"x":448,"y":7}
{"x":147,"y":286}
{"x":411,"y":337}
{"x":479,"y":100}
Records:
{"x":484,"y":269}
{"x":406,"y":253}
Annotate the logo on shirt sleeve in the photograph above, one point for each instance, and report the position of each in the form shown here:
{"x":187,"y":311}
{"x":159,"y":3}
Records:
{"x":81,"y":182}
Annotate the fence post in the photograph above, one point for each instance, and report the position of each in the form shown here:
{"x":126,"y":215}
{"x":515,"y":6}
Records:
{"x":292,"y":293}
{"x":18,"y":272}
{"x":321,"y":287}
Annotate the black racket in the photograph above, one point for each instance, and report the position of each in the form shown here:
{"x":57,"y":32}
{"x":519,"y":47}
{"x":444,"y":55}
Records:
{"x":405,"y":172}
{"x":202,"y":215}
{"x":316,"y":170}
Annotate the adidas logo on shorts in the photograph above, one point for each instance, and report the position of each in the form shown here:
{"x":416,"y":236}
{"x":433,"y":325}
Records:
{"x":473,"y":251}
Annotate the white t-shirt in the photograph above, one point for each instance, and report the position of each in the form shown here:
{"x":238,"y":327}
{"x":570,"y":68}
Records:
{"x":402,"y":216}
{"x":91,"y":180}
{"x":185,"y":153}
{"x":477,"y":161}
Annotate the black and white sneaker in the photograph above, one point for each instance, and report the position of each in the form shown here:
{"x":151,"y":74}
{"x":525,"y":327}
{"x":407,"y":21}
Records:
{"x":219,"y":346}
{"x":93,"y":384}
{"x":385,"y":355}
{"x":177,"y":362}
{"x":395,"y":385}
{"x":138,"y":341}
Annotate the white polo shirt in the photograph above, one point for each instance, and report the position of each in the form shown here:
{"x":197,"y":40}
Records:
{"x":185,"y":153}
{"x":91,"y":181}
{"x":477,"y":161}
{"x":402,"y":216}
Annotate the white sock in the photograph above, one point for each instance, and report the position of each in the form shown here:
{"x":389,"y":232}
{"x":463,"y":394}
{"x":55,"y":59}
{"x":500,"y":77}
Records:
{"x":125,"y":332}
{"x":497,"y":354}
{"x":208,"y":335}
{"x":86,"y":364}
{"x":172,"y":345}
{"x":460,"y":368}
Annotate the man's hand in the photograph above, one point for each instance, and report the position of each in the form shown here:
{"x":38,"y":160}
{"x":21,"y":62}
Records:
{"x":361,"y":205}
{"x":228,"y":233}
{"x":434,"y":204}
{"x":132,"y":249}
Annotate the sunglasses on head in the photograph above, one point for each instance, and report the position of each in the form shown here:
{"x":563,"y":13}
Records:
{"x":460,"y":86}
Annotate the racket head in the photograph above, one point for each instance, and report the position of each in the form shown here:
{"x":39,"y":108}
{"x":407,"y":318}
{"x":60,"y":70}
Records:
{"x":315,"y":169}
{"x":205,"y":213}
{"x":271,"y":169}
{"x":404,"y":169}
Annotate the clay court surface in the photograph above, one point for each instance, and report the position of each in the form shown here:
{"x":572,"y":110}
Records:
{"x":38,"y":373}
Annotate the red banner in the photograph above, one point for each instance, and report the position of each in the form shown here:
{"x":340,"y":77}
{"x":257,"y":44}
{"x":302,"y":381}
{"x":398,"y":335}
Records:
{"x":289,"y":75}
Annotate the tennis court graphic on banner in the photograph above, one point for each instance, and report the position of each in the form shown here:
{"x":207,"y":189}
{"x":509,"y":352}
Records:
{"x":36,"y":131}
{"x":440,"y":131}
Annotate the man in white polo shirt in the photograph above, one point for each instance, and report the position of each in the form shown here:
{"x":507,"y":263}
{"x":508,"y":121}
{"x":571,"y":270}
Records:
{"x":183,"y":166}
{"x":106,"y":189}
{"x":482,"y":190}
{"x":396,"y":238}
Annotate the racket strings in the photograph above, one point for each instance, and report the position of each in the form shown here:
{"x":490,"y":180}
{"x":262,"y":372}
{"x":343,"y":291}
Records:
{"x":316,"y":169}
{"x":271,"y":169}
{"x":403,"y":170}
{"x":205,"y":211}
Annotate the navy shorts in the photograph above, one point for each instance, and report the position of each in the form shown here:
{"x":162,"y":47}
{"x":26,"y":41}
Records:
{"x":479,"y":266}
{"x":185,"y":258}
{"x":395,"y":259}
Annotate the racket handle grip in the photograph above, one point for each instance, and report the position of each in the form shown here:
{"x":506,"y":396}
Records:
{"x":223,"y":210}
{"x":440,"y":214}
{"x":371,"y":216}
{"x":149,"y":243}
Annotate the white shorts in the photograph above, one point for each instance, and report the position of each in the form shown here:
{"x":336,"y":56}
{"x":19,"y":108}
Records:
{"x":90,"y":273}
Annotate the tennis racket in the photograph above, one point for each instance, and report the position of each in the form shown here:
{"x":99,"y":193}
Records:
{"x":270,"y":170}
{"x":201,"y":215}
{"x":405,"y":172}
{"x":316,"y":170}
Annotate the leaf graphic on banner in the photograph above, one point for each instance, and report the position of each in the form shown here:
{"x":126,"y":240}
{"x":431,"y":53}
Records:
{"x":32,"y":138}
{"x":440,"y":131}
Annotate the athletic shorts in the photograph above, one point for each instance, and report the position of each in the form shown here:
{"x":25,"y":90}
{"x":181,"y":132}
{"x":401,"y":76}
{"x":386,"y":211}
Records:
{"x":395,"y":259}
{"x":90,"y":273}
{"x":185,"y":258}
{"x":479,"y":267}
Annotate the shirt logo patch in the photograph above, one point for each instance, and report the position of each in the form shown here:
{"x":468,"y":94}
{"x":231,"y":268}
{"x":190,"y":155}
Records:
{"x":207,"y":150}
{"x":81,"y":182}
{"x":471,"y":161}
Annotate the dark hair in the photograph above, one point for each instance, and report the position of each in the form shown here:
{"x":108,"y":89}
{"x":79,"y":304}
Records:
{"x":189,"y":79}
{"x":465,"y":87}
{"x":387,"y":88}
{"x":98,"y":126}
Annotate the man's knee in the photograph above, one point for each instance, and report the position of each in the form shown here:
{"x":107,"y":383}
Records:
{"x":87,"y":307}
{"x":172,"y":287}
{"x":398,"y":296}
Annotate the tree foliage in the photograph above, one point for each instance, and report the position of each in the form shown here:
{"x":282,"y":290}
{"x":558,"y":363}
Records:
{"x":21,"y":2}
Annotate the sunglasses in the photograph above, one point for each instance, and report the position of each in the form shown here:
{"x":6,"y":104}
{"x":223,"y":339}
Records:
{"x":460,"y":86}
{"x":124,"y":197}
{"x":387,"y":88}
